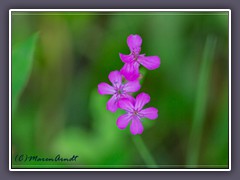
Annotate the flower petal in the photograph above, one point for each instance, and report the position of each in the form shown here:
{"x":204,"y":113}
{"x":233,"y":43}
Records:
{"x":116,"y":78}
{"x":130,"y":71}
{"x":149,"y":62}
{"x":123,"y":121}
{"x":141,"y":100}
{"x":112,"y":104}
{"x":126,"y":58}
{"x":125,"y":104}
{"x":129,"y":97}
{"x":150,"y":113}
{"x":132,"y":86}
{"x":136,"y":126}
{"x":134,"y":43}
{"x":104,"y":88}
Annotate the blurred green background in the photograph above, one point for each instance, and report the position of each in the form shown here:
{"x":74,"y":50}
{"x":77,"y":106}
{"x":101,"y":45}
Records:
{"x":57,"y":109}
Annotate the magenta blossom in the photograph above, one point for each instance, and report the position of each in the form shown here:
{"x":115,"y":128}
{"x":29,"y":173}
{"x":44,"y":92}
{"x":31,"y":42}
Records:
{"x":132,"y":61}
{"x":118,"y":90}
{"x":135,"y":113}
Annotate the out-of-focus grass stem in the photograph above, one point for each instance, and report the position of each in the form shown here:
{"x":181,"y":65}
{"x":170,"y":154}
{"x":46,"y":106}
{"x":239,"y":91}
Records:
{"x":144,"y":152}
{"x":200,"y":103}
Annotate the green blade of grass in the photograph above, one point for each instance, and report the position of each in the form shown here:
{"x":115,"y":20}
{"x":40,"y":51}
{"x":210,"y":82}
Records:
{"x":200,"y":103}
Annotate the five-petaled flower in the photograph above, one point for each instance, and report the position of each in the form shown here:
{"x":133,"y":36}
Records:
{"x":135,"y":113}
{"x":130,"y":70}
{"x":118,"y":90}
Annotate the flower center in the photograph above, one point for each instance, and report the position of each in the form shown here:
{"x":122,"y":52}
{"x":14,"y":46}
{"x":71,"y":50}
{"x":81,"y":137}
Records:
{"x":119,"y":90}
{"x":135,"y":56}
{"x":135,"y":112}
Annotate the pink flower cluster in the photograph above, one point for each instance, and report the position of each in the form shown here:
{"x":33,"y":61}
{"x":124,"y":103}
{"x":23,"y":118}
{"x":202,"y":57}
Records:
{"x":122,"y":91}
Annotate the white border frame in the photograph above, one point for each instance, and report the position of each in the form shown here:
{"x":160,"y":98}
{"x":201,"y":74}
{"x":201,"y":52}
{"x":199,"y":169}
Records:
{"x":119,"y":10}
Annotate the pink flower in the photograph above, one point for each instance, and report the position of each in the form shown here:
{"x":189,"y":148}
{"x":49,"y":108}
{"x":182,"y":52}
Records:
{"x":132,"y":61}
{"x":118,"y":90}
{"x":135,"y":113}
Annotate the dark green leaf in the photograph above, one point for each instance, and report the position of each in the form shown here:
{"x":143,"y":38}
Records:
{"x":22,"y":58}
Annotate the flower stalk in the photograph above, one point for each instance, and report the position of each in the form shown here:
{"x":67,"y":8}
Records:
{"x":144,"y":152}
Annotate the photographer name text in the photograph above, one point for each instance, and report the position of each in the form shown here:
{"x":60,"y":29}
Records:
{"x":36,"y":158}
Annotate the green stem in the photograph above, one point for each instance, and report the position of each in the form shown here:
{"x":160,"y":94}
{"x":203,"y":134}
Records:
{"x":141,"y":147}
{"x":144,"y":152}
{"x":200,"y":103}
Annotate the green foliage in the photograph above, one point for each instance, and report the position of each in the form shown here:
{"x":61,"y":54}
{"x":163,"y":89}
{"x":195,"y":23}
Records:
{"x":97,"y":146}
{"x":22,"y":60}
